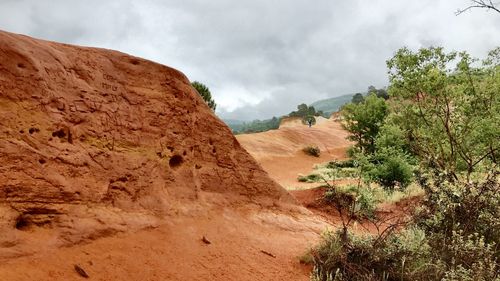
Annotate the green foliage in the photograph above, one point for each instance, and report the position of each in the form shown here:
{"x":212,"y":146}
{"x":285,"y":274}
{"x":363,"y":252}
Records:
{"x":363,"y":121}
{"x":451,"y":116}
{"x":453,"y":237}
{"x":465,"y":209}
{"x":398,"y":256}
{"x":360,"y":200}
{"x":330,"y":105}
{"x":307,"y":258}
{"x":310,"y":178}
{"x":381,"y":93}
{"x":357,"y":98}
{"x":204,"y":92}
{"x":329,"y":173}
{"x":305,"y":112}
{"x":312,"y":150}
{"x":256,"y":126}
{"x":390,"y":168}
{"x":307,"y":119}
{"x":445,"y":106}
{"x":389,"y":163}
{"x":350,"y":163}
{"x":391,"y":135}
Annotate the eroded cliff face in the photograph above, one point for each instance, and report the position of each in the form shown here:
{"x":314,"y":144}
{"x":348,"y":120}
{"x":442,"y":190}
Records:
{"x":94,"y":142}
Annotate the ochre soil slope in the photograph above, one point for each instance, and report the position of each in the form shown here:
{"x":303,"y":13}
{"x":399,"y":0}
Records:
{"x":280,"y":151}
{"x":114,"y":163}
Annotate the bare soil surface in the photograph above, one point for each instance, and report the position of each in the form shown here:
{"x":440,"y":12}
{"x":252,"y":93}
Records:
{"x":280,"y":151}
{"x":244,"y":245}
{"x":114,"y":168}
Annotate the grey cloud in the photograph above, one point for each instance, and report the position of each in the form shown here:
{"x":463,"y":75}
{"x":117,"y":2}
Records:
{"x":261,"y":58}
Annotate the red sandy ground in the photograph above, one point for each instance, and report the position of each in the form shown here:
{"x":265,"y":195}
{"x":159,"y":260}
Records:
{"x":280,"y":151}
{"x":87,"y":141}
{"x":174,"y":251}
{"x":115,"y":164}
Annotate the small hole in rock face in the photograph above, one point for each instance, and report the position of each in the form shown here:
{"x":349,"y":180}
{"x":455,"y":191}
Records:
{"x":184,"y":153}
{"x":42,"y":161}
{"x":22,"y":223}
{"x":214,"y":150}
{"x":197,"y":166}
{"x":21,"y":65}
{"x":33,"y":130}
{"x":210,"y":142}
{"x":134,"y":61}
{"x":59,"y":133}
{"x":175,"y":161}
{"x":21,"y":131}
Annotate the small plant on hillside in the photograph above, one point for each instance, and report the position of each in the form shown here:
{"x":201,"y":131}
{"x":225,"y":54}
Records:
{"x":350,"y":163}
{"x":205,"y":93}
{"x":312,"y":150}
{"x":387,"y":255}
{"x":391,"y":168}
{"x":309,"y":178}
{"x":360,"y":201}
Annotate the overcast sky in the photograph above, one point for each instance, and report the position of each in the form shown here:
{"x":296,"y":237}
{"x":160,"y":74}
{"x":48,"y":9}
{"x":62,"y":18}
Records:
{"x":261,"y":57}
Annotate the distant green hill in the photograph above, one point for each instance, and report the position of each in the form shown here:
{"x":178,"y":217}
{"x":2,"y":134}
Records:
{"x":327,"y":106}
{"x":233,"y":122}
{"x":332,"y":104}
{"x":255,"y":126}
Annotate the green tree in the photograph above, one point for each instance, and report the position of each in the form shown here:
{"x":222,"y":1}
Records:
{"x":304,"y":112}
{"x":307,"y":119}
{"x":204,"y":92}
{"x":302,"y":107}
{"x":357,"y":98}
{"x":382,"y":93}
{"x":364,"y":120}
{"x":451,"y":116}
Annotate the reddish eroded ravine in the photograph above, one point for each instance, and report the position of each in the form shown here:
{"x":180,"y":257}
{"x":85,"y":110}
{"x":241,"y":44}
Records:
{"x":113,"y":167}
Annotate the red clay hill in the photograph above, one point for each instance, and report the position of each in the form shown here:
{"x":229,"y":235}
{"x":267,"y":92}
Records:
{"x":95,"y":144}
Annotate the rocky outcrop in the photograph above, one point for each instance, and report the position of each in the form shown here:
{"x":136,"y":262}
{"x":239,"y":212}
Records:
{"x":94,"y":142}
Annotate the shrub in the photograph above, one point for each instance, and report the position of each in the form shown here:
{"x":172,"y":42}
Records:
{"x":350,"y":163}
{"x":310,"y":178}
{"x":312,"y":150}
{"x":302,"y":178}
{"x":391,"y":168}
{"x":397,"y":256}
{"x":463,"y":226}
{"x":455,"y":236}
{"x":204,"y":92}
{"x":361,"y":201}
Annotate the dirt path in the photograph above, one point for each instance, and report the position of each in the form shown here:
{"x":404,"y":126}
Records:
{"x":175,"y":251}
